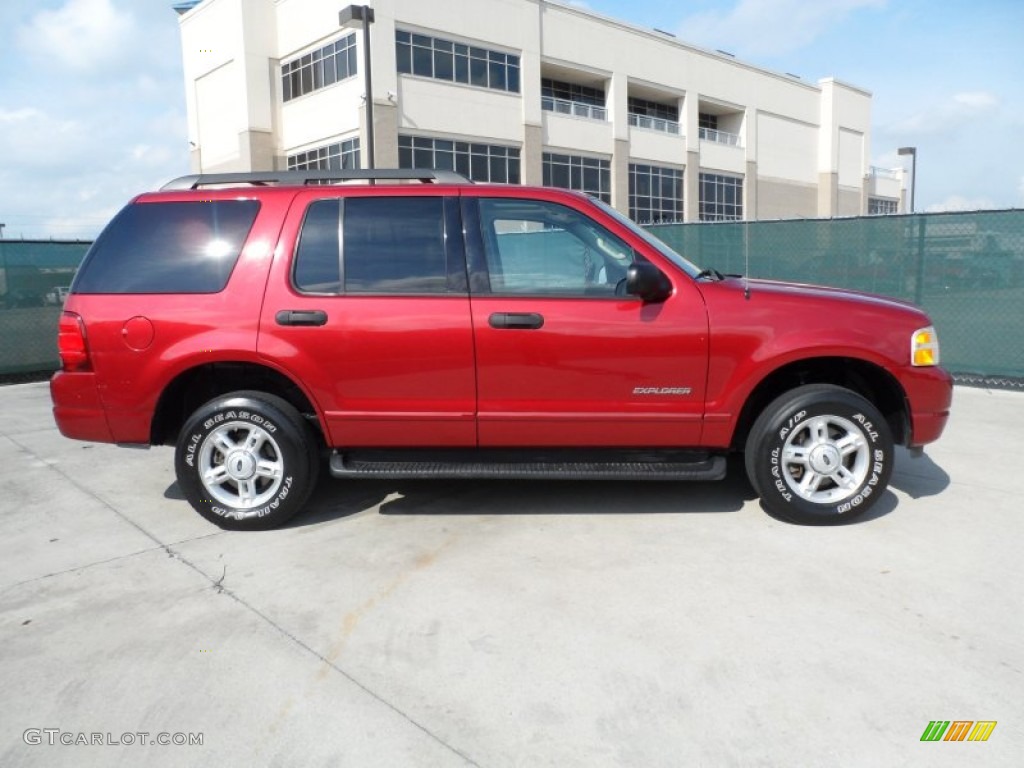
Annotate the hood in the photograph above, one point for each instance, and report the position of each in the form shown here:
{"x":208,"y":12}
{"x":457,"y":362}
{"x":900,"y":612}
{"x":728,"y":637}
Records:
{"x":800,"y":291}
{"x":780,"y":317}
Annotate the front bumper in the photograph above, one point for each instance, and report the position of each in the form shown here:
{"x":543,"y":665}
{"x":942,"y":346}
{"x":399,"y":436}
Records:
{"x":929,"y":395}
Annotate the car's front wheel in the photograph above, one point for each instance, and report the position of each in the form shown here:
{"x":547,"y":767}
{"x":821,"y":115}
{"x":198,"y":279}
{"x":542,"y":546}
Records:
{"x":246,"y":461}
{"x":819,"y":454}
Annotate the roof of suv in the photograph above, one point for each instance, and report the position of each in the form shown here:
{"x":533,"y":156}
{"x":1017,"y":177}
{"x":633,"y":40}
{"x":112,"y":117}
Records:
{"x":364,"y":182}
{"x":304,"y":178}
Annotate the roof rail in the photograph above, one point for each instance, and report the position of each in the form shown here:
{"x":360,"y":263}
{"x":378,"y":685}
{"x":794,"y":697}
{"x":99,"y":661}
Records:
{"x":302,"y":178}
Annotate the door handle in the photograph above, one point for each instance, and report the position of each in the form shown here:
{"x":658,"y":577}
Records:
{"x":516,"y":320}
{"x":301,"y":317}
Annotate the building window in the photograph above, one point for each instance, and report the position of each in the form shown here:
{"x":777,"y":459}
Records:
{"x":326,"y":66}
{"x":653,"y":109}
{"x":708,"y":130}
{"x":653,"y":116}
{"x":589,"y":175}
{"x":333,"y":157}
{"x":655,"y":194}
{"x":558,"y":89}
{"x":480,"y":162}
{"x":721,"y":197}
{"x":880,"y":206}
{"x":572,"y":99}
{"x":456,"y":62}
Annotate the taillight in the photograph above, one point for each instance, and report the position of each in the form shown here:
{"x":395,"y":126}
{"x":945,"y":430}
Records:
{"x":71,"y":344}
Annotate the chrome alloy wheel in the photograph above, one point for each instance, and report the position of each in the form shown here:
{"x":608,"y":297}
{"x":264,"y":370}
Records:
{"x":240,"y":465}
{"x":825,"y":459}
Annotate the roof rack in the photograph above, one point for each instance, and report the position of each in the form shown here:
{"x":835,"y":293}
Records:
{"x":302,"y":178}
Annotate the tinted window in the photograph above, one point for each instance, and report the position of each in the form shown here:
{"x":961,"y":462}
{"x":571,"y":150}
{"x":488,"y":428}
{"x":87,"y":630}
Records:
{"x":394,"y":245}
{"x":317,"y":266}
{"x":168,"y":248}
{"x":540,"y":248}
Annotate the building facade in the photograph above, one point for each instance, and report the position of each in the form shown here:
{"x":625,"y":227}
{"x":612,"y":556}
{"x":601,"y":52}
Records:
{"x":532,"y":92}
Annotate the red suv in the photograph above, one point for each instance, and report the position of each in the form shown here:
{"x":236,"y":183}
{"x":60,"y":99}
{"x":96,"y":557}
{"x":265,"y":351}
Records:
{"x":265,"y":324}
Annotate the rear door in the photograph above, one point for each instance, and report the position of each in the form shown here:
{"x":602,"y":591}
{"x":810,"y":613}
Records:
{"x":564,"y":358}
{"x":367,"y":305}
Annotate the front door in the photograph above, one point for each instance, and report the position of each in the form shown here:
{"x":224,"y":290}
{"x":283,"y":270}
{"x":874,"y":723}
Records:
{"x":564,"y":358}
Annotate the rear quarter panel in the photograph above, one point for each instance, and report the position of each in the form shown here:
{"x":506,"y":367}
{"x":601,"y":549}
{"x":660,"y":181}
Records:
{"x":187,"y":330}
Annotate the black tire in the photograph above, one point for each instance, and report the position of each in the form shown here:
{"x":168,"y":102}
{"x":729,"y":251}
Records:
{"x":261,"y":484}
{"x":827,"y":437}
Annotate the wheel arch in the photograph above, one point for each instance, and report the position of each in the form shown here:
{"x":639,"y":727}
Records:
{"x":199,"y":384}
{"x":867,"y":379}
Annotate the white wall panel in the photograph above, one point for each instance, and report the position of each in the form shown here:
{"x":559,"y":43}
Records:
{"x":219,"y":106}
{"x":786,"y":149}
{"x":851,"y":158}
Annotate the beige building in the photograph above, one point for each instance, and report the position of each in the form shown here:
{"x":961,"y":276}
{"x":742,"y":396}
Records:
{"x":532,"y":92}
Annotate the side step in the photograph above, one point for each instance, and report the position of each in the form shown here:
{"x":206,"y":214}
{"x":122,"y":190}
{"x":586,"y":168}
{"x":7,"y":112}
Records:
{"x":538,"y":464}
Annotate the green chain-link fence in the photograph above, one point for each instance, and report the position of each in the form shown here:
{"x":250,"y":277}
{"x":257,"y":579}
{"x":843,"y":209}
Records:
{"x":965,"y":269}
{"x":34,"y":279}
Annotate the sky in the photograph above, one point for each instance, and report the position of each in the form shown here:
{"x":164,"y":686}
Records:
{"x":92,"y":106}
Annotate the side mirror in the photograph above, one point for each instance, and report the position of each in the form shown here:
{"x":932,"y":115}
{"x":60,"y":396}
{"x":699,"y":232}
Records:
{"x":645,"y":280}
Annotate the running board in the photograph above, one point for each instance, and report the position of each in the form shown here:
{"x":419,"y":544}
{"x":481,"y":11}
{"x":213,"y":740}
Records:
{"x":544,"y":465}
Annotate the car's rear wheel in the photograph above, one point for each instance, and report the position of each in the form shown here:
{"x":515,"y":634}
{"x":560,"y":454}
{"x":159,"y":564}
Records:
{"x":819,"y":454}
{"x":246,"y":461}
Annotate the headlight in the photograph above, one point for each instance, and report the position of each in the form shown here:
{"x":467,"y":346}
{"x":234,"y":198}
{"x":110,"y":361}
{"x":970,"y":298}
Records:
{"x":924,"y":347}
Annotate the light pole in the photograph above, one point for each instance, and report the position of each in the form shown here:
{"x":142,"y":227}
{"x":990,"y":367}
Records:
{"x":919,"y":280}
{"x":912,"y":151}
{"x":362,"y":16}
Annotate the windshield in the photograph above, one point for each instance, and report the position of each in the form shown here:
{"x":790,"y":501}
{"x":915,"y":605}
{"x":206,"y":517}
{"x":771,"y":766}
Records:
{"x":688,"y":267}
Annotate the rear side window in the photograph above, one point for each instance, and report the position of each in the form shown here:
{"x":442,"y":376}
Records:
{"x":318,"y":261}
{"x":387,"y":245}
{"x":168,"y":248}
{"x":394,"y":245}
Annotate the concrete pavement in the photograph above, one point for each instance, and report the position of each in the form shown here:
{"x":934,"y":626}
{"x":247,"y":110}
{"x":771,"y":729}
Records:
{"x":508,"y":623}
